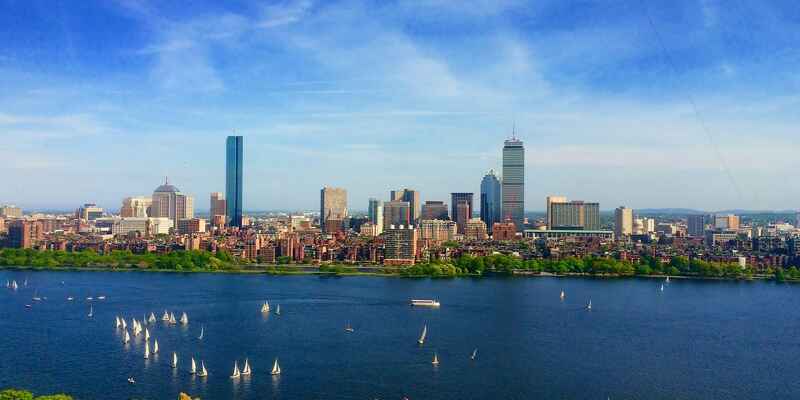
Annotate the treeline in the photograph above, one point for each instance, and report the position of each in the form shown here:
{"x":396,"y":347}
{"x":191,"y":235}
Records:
{"x":15,"y":394}
{"x":193,"y":260}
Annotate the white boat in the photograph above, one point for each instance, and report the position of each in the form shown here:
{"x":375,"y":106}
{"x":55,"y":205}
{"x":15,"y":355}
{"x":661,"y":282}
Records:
{"x":265,"y":307}
{"x":202,"y":331}
{"x":563,"y":295}
{"x":36,"y":296}
{"x":422,"y":336}
{"x":435,"y":359}
{"x":152,"y":318}
{"x":276,"y":369}
{"x":127,"y":337}
{"x":236,"y":372}
{"x":184,"y":319}
{"x":203,"y":373}
{"x":91,"y":312}
{"x":172,"y":319}
{"x":116,"y":321}
{"x":14,"y":285}
{"x":278,"y":310}
{"x":174,"y":360}
{"x":155,"y":346}
{"x":589,"y":306}
{"x":131,"y":380}
{"x":101,"y":297}
{"x":124,"y":324}
{"x":70,"y":298}
{"x":474,"y":354}
{"x":194,"y":367}
{"x":662,"y":287}
{"x":90,"y":298}
{"x":147,"y":349}
{"x":667,"y":280}
{"x":246,"y":369}
{"x":349,"y":328}
{"x":165,"y":317}
{"x":146,"y":334}
{"x":425,"y":303}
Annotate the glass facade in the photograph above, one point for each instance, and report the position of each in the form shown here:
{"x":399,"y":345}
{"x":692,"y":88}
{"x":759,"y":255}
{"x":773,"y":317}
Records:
{"x":233,"y":180}
{"x":514,"y":182}
{"x":491,"y":208}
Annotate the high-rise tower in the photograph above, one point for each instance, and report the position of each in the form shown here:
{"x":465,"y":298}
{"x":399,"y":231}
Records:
{"x":514,"y":182}
{"x":233,"y":179}
{"x":491,"y":209}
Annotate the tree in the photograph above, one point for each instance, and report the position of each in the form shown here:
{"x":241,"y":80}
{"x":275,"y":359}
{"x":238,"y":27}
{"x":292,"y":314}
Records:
{"x":14,"y":394}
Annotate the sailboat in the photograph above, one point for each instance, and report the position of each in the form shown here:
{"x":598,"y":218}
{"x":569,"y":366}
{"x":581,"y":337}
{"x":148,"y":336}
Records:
{"x":184,"y":319}
{"x":349,"y":328}
{"x":246,"y":369}
{"x":172,"y":319}
{"x":146,"y":334}
{"x":70,"y":298}
{"x":422,"y":336}
{"x":147,"y":349}
{"x":563,"y":295}
{"x":174,"y":360}
{"x":165,"y":317}
{"x":36,"y":296}
{"x":127,"y":337}
{"x":194,"y":367}
{"x":14,"y":285}
{"x":124,"y":324}
{"x":589,"y":306}
{"x":265,"y":307}
{"x":236,"y":372}
{"x":152,"y":318}
{"x":276,"y":369}
{"x":435,"y":359}
{"x":118,"y":324}
{"x":91,"y":312}
{"x":155,"y":346}
{"x":474,"y":354}
{"x":202,"y":331}
{"x":662,"y":287}
{"x":203,"y":373}
{"x":278,"y":310}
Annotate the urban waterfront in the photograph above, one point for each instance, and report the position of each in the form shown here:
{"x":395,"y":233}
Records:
{"x":693,"y":340}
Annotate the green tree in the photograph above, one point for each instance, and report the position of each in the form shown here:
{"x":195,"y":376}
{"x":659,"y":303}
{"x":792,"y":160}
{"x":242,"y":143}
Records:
{"x":14,"y":394}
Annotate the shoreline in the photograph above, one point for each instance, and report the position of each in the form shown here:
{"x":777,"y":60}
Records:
{"x":314,"y":270}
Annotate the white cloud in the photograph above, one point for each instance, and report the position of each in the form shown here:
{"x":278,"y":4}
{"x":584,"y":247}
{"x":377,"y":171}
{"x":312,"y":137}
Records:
{"x":284,"y":14}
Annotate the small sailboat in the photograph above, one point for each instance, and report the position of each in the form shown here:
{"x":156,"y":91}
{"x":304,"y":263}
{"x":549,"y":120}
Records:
{"x":662,"y":287}
{"x":435,"y":359}
{"x":422,"y":336}
{"x":147,"y":349}
{"x":246,"y":369}
{"x":193,"y":370}
{"x":563,"y":295}
{"x":124,"y":324}
{"x":589,"y":306}
{"x":127,"y":337}
{"x":184,"y":319}
{"x":152,"y":318}
{"x":172,"y":319}
{"x":91,"y":312}
{"x":101,"y":297}
{"x":14,"y":285}
{"x":667,"y":280}
{"x":146,"y":334}
{"x":165,"y":317}
{"x":174,"y":360}
{"x":70,"y":298}
{"x":276,"y":369}
{"x":203,"y":373}
{"x":202,"y":331}
{"x":349,"y":328}
{"x":36,"y":296}
{"x":131,"y":380}
{"x":265,"y":307}
{"x":116,"y":321}
{"x":474,"y":354}
{"x":90,"y":298}
{"x":236,"y":372}
{"x":278,"y":310}
{"x":155,"y":346}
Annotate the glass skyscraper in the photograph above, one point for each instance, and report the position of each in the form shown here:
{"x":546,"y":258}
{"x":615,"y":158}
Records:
{"x":491,"y":207}
{"x":514,"y":182}
{"x":233,"y":180}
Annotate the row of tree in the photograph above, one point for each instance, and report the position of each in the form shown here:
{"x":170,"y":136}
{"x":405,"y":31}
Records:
{"x":177,"y":260}
{"x":15,"y":394}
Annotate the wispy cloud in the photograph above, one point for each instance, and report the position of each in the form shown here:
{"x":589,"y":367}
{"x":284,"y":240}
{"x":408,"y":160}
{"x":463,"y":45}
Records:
{"x":284,"y":14}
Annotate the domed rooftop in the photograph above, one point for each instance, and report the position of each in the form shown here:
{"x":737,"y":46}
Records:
{"x":167,"y":188}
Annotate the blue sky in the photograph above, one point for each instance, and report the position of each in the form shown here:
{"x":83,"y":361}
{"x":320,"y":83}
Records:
{"x":648,"y":104}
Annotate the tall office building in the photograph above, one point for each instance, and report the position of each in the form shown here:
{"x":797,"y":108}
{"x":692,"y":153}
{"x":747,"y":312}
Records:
{"x":400,"y":245}
{"x":623,"y":222}
{"x":491,"y":200}
{"x":412,"y":197}
{"x":233,"y":179}
{"x":461,"y":209}
{"x":396,"y":213}
{"x":19,"y":235}
{"x":217,"y":205}
{"x":575,"y":215}
{"x":375,"y":214}
{"x":550,"y":201}
{"x":434,"y":210}
{"x":332,"y":208}
{"x":696,"y":225}
{"x":514,"y":182}
{"x":135,"y":207}
{"x":169,"y":202}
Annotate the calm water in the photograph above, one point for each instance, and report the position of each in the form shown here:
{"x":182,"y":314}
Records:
{"x":694,"y":340}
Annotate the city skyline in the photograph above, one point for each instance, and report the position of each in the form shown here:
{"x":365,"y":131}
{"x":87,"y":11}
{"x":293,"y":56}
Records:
{"x":673,"y":105}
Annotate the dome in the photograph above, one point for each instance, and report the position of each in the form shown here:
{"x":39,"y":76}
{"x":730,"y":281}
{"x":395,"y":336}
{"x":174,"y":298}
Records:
{"x":166,"y":188}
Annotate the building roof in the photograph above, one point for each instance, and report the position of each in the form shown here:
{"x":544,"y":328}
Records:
{"x":167,"y":188}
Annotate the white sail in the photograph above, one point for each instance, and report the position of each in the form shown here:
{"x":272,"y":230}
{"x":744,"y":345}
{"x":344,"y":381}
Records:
{"x":435,"y":359}
{"x":662,"y":287}
{"x":589,"y":307}
{"x":155,"y":346}
{"x":116,"y":320}
{"x":174,"y":360}
{"x":265,"y":307}
{"x":14,"y":285}
{"x":194,"y":367}
{"x":202,"y":331}
{"x":127,"y":337}
{"x":172,"y":319}
{"x":203,"y":371}
{"x":474,"y":354}
{"x":278,"y":310}
{"x":563,"y":295}
{"x":124,"y":324}
{"x":152,"y":318}
{"x":146,"y":334}
{"x":246,"y":369}
{"x":276,"y":369}
{"x":236,"y":372}
{"x":667,"y":280}
{"x":165,"y":317}
{"x":91,"y":312}
{"x":184,"y":319}
{"x":147,"y":349}
{"x":422,"y":336}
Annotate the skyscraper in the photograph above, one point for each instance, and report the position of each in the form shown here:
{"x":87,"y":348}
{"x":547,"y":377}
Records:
{"x":577,"y":215}
{"x":461,"y":213}
{"x":396,"y":213}
{"x":696,"y":225}
{"x":491,"y":200}
{"x":217,"y":205}
{"x":400,"y":245}
{"x":434,"y":210}
{"x":412,"y":197}
{"x":514,"y":182}
{"x":169,"y":202}
{"x":550,"y":201}
{"x":233,"y":179}
{"x":375,"y":214}
{"x":332,"y":207}
{"x":623,"y":222}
